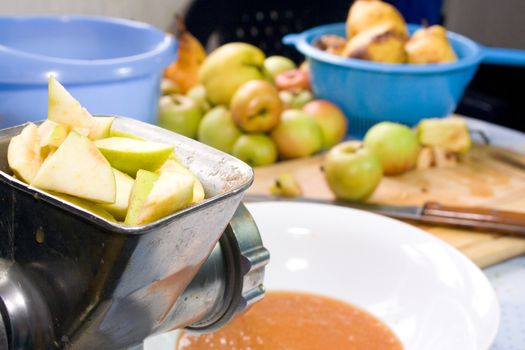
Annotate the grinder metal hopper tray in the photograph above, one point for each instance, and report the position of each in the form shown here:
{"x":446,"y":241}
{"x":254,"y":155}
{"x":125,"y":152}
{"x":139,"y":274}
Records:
{"x":71,"y":279}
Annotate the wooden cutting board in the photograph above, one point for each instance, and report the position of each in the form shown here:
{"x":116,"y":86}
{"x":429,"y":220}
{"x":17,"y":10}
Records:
{"x":481,"y":179}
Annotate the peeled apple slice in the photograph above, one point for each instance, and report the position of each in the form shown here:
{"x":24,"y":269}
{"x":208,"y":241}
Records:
{"x":174,"y":166}
{"x":101,"y":128}
{"x":23,"y":153}
{"x":77,"y":168}
{"x":124,"y":185}
{"x":51,"y":136}
{"x":65,"y":109}
{"x":154,"y":197}
{"x":130,"y":155}
{"x":84,"y":204}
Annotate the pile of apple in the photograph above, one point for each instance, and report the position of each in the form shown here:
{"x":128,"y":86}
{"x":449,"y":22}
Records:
{"x":376,"y":31}
{"x":353,"y":169}
{"x":258,"y":109}
{"x":82,"y":160}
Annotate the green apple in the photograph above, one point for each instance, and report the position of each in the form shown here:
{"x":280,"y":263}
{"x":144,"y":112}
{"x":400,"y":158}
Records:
{"x":130,"y":155}
{"x":217,"y":129}
{"x":198,"y":94}
{"x":451,"y":134}
{"x":330,"y":118}
{"x":51,"y":136}
{"x":227,"y":68}
{"x":396,"y":146}
{"x":275,"y":65}
{"x":65,"y":109}
{"x":352,"y":171}
{"x":23,"y":153}
{"x":156,"y":196}
{"x":101,"y":128}
{"x":180,"y":114}
{"x":295,"y":99}
{"x":297,"y":135}
{"x":286,"y":185}
{"x":77,"y":168}
{"x":256,"y":106}
{"x":124,"y":184}
{"x":87,"y":205}
{"x":119,"y":133}
{"x":255,"y":149}
{"x":174,"y":166}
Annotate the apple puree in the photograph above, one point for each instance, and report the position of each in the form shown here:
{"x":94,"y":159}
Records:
{"x":297,"y":321}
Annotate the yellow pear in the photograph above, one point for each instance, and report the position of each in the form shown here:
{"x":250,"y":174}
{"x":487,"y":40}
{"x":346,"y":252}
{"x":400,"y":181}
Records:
{"x":365,"y":14}
{"x":430,"y":45}
{"x":380,"y":44}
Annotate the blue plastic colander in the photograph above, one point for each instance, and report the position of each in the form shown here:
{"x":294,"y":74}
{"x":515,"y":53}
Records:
{"x":112,"y":66}
{"x":370,"y":92}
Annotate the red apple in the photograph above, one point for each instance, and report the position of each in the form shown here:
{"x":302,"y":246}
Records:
{"x":297,"y":135}
{"x":330,"y":118}
{"x":352,"y":171}
{"x":294,"y":79}
{"x":256,"y":106}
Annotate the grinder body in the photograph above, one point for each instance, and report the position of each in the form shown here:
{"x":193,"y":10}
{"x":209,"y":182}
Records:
{"x":70,"y":279}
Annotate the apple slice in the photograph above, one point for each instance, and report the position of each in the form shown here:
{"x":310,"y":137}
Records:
{"x":118,"y":133}
{"x":77,"y":168}
{"x":51,"y":136}
{"x":129,"y":155}
{"x":101,"y":128}
{"x":156,"y":196}
{"x":65,"y":109}
{"x":87,"y":205}
{"x":120,"y":207}
{"x":173,"y":166}
{"x":23,"y":153}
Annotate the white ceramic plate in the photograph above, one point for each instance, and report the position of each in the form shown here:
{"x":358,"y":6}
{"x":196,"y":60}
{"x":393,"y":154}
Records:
{"x":429,"y":294}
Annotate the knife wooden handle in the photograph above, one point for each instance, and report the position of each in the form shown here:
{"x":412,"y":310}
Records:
{"x":482,"y":218}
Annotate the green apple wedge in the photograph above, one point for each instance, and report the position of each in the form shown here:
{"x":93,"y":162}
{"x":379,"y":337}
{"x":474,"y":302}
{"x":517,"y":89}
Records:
{"x":79,"y":169}
{"x":119,"y":133}
{"x":172,"y":165}
{"x":23,"y":153}
{"x":51,"y":136}
{"x":101,"y":128}
{"x":124,"y":184}
{"x":130,"y":155}
{"x":87,"y":205}
{"x":65,"y":109}
{"x":156,"y":196}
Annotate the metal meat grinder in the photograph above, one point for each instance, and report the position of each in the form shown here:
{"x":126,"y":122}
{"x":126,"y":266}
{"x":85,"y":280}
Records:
{"x":72,"y":280}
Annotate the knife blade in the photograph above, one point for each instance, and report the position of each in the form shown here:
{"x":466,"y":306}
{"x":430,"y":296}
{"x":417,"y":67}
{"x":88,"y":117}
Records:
{"x":478,"y":218}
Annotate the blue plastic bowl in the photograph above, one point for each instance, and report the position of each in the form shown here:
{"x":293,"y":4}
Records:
{"x":370,"y":92}
{"x":112,"y":66}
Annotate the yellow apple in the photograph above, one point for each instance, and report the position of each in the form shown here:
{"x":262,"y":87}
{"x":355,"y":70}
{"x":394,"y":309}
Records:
{"x":79,"y":169}
{"x":130,"y":155}
{"x":227,"y":68}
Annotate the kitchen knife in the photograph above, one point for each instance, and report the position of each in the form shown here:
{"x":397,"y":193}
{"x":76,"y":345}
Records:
{"x":478,"y":218}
